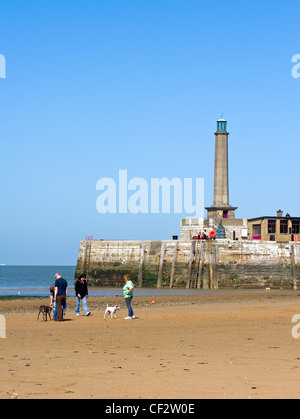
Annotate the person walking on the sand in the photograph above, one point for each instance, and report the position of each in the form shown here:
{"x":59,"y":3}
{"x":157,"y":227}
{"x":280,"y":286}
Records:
{"x":81,"y":292}
{"x":127,"y":291}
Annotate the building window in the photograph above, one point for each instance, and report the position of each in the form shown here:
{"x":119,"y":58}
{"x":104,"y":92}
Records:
{"x":256,"y":230}
{"x":296,"y":227}
{"x":283,"y":226}
{"x":272,"y":226}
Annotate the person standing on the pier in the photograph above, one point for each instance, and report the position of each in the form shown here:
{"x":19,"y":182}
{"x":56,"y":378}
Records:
{"x":127,"y":291}
{"x":60,"y":295}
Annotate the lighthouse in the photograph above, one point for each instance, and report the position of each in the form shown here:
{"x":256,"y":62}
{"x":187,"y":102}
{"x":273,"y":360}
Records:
{"x":221,"y":208}
{"x":220,"y":215}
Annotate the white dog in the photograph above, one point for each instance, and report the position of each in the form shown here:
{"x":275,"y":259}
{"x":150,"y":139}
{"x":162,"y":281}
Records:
{"x":112,"y":311}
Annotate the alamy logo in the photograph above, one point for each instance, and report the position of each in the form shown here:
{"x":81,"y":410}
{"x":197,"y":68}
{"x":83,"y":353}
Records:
{"x":2,"y":67}
{"x":296,"y":68}
{"x":161,"y":195}
{"x":2,"y":327}
{"x":295,"y":329}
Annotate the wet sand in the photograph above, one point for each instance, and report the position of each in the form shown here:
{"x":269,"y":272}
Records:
{"x":231,"y":345}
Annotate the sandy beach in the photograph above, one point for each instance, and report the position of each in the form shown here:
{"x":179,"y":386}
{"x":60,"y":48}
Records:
{"x":232,"y":345}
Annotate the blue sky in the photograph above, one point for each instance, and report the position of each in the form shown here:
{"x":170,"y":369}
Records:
{"x":94,"y":87}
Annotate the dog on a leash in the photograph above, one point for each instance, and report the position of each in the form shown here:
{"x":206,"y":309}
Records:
{"x":45,"y":310}
{"x":111,"y":311}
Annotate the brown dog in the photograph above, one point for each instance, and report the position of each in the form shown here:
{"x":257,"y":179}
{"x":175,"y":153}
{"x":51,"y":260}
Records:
{"x":46,"y":310}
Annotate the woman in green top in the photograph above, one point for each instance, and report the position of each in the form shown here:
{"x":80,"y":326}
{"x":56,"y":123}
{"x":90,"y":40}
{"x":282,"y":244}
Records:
{"x":127,"y":291}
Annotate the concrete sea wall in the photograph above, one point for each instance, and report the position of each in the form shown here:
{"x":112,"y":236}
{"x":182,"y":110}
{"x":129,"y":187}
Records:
{"x":191,"y":264}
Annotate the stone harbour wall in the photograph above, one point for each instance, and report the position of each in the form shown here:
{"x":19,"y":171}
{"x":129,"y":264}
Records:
{"x":199,"y":264}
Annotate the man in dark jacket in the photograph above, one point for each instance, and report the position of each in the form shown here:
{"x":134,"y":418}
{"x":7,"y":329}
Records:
{"x":81,"y":292}
{"x":60,"y":295}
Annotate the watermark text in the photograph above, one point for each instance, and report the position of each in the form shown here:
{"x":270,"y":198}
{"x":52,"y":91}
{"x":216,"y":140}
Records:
{"x":2,"y":327}
{"x":296,"y":67}
{"x":296,"y":328}
{"x":159,"y":196}
{"x":2,"y":67}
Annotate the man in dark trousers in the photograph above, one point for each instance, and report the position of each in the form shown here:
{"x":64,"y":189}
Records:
{"x":60,"y":295}
{"x":81,"y":292}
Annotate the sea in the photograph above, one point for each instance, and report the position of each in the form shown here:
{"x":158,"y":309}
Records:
{"x":32,"y":280}
{"x":37,"y":280}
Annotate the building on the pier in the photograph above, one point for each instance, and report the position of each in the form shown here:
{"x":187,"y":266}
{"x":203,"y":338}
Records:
{"x":282,"y":229}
